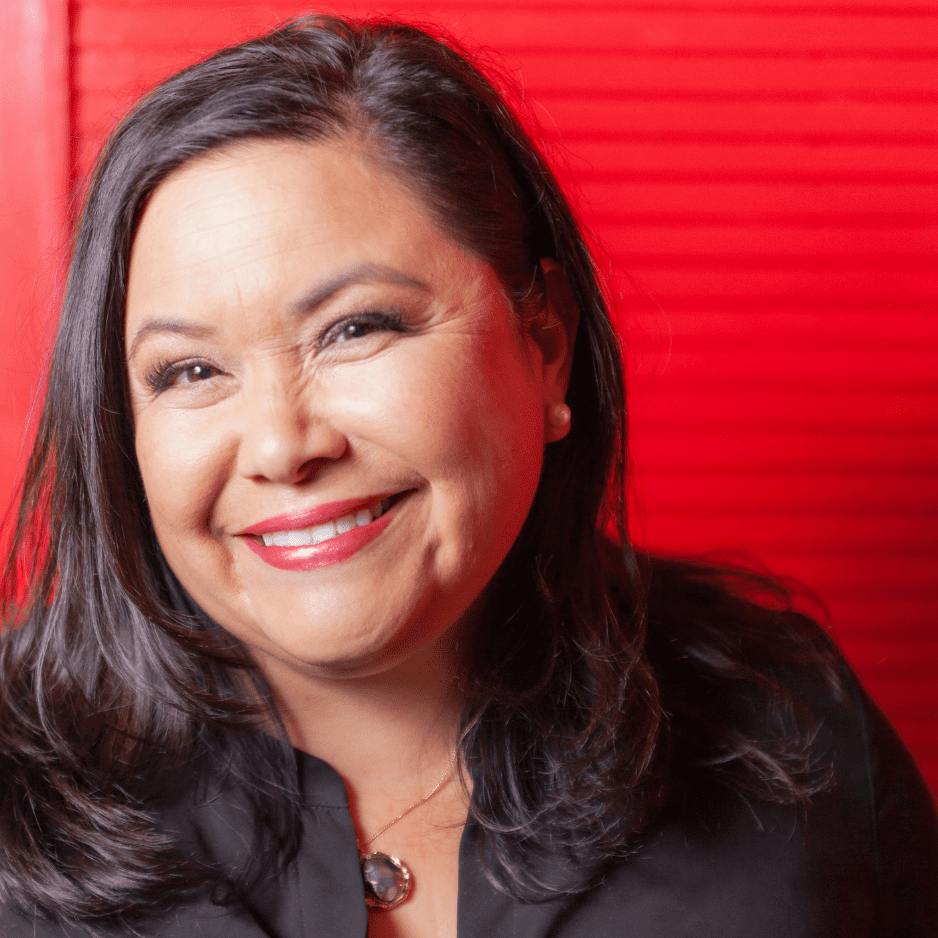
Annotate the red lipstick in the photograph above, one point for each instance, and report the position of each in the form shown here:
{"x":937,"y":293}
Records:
{"x":310,"y":556}
{"x":318,"y":514}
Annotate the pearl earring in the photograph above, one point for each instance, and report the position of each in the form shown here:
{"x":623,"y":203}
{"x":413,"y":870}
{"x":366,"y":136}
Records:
{"x":559,"y":415}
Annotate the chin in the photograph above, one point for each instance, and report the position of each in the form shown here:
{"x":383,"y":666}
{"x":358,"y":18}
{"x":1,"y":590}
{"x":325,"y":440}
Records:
{"x":341,"y":660}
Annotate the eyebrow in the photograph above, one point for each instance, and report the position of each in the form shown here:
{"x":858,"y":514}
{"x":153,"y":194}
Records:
{"x":363,"y":273}
{"x":173,"y":326}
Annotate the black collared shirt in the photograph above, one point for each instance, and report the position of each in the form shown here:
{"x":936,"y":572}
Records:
{"x":860,"y":861}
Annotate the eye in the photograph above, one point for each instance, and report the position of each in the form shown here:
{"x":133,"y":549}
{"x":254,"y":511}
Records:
{"x":195,"y":373}
{"x":164,"y":375}
{"x":356,"y":330}
{"x":362,"y":325}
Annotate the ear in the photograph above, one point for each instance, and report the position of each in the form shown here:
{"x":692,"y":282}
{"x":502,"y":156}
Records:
{"x":553,"y":331}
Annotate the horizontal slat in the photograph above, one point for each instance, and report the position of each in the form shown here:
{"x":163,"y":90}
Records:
{"x":908,"y":699}
{"x":813,"y":537}
{"x":815,"y":286}
{"x":798,"y":175}
{"x":100,"y":108}
{"x":869,"y":8}
{"x":561,"y":31}
{"x":919,"y":736}
{"x":192,"y":26}
{"x":768,"y":369}
{"x":670,"y":197}
{"x":661,"y":368}
{"x":832,"y":578}
{"x":791,"y":282}
{"x":627,"y":73}
{"x":917,"y":244}
{"x":808,"y":303}
{"x":704,"y":410}
{"x":890,"y":652}
{"x":647,"y":331}
{"x":859,"y":78}
{"x":609,"y":160}
{"x":897,"y":619}
{"x":906,"y":506}
{"x":693,"y":118}
{"x":802,"y":547}
{"x":918,"y":728}
{"x":105,"y":74}
{"x":779,"y":218}
{"x":769,"y":449}
{"x":883,"y":664}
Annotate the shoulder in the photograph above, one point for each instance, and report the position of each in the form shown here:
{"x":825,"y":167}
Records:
{"x":755,"y":690}
{"x":880,"y":815}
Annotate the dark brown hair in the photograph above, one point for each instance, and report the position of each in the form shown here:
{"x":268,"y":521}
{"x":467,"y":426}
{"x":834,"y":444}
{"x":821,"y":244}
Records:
{"x":112,"y":680}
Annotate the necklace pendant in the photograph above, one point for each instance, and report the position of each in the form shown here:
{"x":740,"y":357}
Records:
{"x":387,"y":880}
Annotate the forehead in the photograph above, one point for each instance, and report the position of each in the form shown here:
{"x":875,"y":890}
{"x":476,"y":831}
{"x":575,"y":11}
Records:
{"x":263,"y":216}
{"x":327,"y":189}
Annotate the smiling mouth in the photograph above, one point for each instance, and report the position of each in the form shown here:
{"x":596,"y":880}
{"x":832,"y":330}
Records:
{"x":319,"y":533}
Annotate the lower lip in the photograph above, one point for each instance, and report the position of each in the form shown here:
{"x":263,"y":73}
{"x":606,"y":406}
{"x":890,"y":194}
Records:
{"x":335,"y":550}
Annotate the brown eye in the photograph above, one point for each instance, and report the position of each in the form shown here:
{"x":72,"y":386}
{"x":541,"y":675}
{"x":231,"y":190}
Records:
{"x":195,"y":373}
{"x":363,"y":325}
{"x":356,"y":330}
{"x":165,"y":375}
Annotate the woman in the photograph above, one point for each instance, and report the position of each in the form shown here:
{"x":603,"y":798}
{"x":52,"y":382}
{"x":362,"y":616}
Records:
{"x":318,"y":626}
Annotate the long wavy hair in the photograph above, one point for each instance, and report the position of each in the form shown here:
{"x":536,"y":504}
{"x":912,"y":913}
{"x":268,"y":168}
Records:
{"x":110,"y":681}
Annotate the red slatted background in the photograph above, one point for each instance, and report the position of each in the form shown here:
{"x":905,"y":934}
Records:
{"x":765,"y":178}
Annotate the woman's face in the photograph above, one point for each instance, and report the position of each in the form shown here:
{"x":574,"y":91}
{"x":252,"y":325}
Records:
{"x":339,"y":423}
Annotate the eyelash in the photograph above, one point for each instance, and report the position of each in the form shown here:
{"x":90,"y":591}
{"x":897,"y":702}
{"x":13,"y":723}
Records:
{"x":390,"y":320}
{"x":160,"y":375}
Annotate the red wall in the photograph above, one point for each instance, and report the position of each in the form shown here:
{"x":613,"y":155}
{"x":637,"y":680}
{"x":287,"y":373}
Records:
{"x":765,"y":178}
{"x":34,"y":188}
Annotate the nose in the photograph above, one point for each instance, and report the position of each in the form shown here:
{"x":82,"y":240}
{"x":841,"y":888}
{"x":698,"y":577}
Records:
{"x":285,"y":440}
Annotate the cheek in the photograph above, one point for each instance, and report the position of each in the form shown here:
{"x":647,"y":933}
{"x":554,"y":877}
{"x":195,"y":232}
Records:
{"x":180,"y":462}
{"x":495,"y":404}
{"x":454,"y":407}
{"x":470,"y":422}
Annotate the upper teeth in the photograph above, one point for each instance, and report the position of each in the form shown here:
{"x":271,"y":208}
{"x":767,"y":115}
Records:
{"x":304,"y":537}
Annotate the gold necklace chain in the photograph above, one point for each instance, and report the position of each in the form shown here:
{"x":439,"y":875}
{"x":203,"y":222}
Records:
{"x":444,"y":778}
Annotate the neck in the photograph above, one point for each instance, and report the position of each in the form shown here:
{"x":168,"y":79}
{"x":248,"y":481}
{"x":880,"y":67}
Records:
{"x":389,"y":735}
